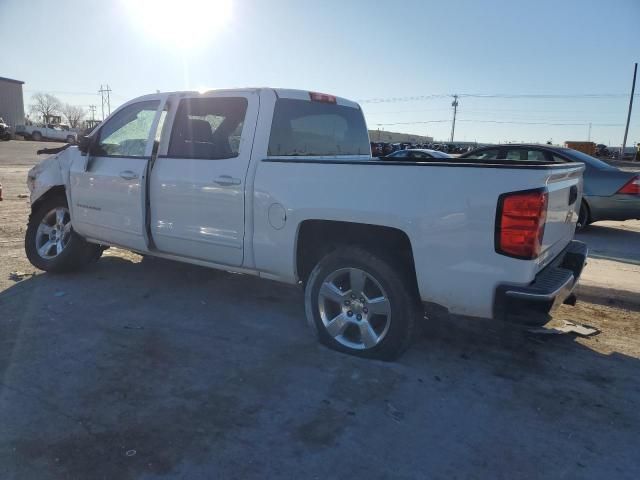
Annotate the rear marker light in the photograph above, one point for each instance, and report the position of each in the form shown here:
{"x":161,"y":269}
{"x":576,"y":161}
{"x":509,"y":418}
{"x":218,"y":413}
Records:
{"x":520,"y":222}
{"x":322,"y":97}
{"x":632,"y":187}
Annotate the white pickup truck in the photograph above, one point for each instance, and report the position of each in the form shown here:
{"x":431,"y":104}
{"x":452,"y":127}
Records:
{"x":281,"y":184}
{"x":61,"y":133}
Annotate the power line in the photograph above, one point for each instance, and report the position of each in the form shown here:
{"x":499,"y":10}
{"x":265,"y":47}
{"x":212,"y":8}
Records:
{"x":515,"y":122}
{"x":104,"y":94}
{"x":454,"y":104}
{"x":495,"y":95}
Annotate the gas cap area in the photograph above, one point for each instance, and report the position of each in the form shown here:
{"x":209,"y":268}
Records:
{"x":277,"y":216}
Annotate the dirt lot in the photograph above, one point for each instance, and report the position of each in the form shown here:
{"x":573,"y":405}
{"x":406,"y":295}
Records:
{"x":151,"y":369}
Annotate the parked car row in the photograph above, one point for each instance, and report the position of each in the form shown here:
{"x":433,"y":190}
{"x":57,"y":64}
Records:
{"x":382,"y":149}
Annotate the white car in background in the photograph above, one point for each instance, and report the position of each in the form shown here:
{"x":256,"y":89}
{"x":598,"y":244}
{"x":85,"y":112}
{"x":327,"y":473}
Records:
{"x":61,"y":133}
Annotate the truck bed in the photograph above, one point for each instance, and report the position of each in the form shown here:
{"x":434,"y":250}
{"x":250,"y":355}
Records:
{"x":446,"y":208}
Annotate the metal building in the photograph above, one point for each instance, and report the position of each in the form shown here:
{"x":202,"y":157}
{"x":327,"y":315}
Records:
{"x":11,"y":101}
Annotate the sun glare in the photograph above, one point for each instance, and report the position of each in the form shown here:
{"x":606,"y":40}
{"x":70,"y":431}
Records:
{"x":183,"y":24}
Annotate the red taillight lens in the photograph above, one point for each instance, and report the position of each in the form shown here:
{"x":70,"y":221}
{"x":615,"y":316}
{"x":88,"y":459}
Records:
{"x":520,"y":223}
{"x":322,"y":97}
{"x":632,"y":187}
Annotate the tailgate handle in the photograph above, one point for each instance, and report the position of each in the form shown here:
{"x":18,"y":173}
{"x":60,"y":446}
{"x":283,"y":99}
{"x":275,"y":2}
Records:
{"x":573,"y":195}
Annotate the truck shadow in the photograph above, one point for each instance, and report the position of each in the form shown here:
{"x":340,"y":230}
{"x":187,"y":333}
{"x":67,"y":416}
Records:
{"x":197,"y":370}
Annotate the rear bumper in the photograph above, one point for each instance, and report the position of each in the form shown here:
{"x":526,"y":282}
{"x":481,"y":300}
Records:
{"x":552,"y":286}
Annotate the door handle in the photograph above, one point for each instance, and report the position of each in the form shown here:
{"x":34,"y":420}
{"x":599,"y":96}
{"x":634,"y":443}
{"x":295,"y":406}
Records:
{"x":128,"y":175}
{"x":227,"y":181}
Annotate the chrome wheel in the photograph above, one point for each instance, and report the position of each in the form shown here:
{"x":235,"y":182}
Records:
{"x":54,"y":233}
{"x":354,"y":308}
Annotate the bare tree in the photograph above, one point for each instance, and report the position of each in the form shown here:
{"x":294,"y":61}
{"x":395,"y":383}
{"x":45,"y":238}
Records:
{"x":73,"y":113}
{"x":45,"y":105}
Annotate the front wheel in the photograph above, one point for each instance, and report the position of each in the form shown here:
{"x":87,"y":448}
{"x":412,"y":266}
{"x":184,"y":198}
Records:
{"x":50,"y":242}
{"x":71,"y":140}
{"x":358,"y":303}
{"x":36,"y":136}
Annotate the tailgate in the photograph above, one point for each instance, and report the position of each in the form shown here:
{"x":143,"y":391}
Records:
{"x":565,"y":194}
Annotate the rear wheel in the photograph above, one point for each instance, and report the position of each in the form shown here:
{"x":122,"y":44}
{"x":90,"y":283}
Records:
{"x":71,"y":139}
{"x":37,"y":136}
{"x":359,"y":304}
{"x":50,"y":242}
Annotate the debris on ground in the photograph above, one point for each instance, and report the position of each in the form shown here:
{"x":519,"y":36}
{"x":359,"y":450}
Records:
{"x":130,"y":453}
{"x":394,"y":413}
{"x":59,"y":294}
{"x":567,"y":327}
{"x":17,"y":275}
{"x":133,"y":327}
{"x":23,"y":195}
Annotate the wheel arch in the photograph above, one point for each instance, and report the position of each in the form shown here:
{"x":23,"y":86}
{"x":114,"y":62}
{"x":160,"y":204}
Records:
{"x":51,"y":192}
{"x":315,"y":238}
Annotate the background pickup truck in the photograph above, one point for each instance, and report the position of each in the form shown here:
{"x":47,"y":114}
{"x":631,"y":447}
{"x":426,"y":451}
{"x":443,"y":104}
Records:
{"x":47,"y":132}
{"x":281,"y":184}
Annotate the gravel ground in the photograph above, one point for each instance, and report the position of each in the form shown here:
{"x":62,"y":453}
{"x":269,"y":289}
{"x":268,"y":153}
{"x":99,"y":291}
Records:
{"x":145,"y":368}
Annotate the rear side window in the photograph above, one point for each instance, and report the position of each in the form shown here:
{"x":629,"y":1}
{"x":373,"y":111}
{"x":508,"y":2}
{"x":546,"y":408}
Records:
{"x":491,"y":154}
{"x":305,"y":128}
{"x":208,"y":128}
{"x":522,"y":154}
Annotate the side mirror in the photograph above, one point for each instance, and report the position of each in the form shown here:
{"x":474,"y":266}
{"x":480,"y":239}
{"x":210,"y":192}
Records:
{"x":84,"y":144}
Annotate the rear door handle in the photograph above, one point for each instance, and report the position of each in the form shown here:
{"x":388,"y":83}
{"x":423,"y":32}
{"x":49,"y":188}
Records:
{"x":128,"y":175}
{"x":227,"y":181}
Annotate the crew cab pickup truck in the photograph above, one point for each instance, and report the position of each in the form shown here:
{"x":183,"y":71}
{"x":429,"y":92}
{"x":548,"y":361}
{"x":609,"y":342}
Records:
{"x":281,"y":184}
{"x":61,"y":133}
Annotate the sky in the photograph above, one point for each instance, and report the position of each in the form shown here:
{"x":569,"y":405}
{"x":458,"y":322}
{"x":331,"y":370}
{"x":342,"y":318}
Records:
{"x":526,"y":70}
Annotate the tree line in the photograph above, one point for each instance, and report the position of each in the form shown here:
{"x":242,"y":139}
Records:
{"x":46,"y":105}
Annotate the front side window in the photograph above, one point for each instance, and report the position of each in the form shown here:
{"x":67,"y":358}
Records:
{"x":306,"y":128}
{"x":127,"y":132}
{"x":208,"y":128}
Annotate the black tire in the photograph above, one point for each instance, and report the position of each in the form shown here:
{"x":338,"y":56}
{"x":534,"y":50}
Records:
{"x":71,"y":140}
{"x":584,"y":217}
{"x":36,"y":136}
{"x":76,"y":254}
{"x":399,"y":289}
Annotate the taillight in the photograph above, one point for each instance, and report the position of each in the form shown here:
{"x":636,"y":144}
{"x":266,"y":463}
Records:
{"x":322,"y":97}
{"x":632,"y":187}
{"x":520,"y":222}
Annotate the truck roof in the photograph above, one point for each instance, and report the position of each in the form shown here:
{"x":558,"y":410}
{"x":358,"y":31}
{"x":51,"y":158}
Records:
{"x":289,"y":93}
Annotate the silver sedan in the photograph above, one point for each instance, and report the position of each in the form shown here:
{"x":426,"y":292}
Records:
{"x":609,"y":193}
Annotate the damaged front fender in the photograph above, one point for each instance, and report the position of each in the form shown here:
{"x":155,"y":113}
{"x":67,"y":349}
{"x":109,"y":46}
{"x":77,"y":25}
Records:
{"x":52,"y":172}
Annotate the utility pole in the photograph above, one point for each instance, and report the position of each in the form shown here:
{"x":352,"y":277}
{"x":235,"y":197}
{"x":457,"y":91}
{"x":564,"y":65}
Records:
{"x":454,"y":104}
{"x":626,"y":129}
{"x":589,"y":136}
{"x":106,"y":100}
{"x":92,"y":109}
